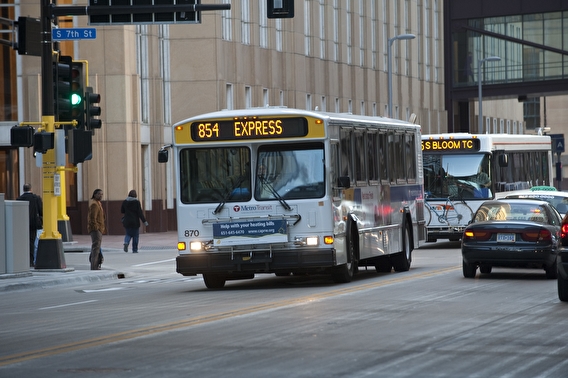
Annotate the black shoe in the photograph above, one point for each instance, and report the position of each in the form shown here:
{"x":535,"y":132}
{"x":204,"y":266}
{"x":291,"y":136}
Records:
{"x":125,"y":247}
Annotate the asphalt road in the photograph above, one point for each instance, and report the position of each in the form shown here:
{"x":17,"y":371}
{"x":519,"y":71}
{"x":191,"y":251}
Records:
{"x":428,"y":322}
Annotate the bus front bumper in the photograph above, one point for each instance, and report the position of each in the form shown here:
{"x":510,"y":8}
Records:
{"x":305,"y":260}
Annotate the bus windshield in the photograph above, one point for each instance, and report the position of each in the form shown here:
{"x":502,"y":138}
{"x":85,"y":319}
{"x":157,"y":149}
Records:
{"x":293,"y":171}
{"x":457,"y":176}
{"x":223,"y":174}
{"x":215,"y":175}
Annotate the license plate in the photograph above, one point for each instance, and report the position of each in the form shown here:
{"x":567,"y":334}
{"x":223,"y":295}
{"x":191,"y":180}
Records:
{"x":505,"y":238}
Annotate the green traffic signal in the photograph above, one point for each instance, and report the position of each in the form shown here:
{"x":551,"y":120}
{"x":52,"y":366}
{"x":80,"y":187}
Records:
{"x":76,"y":99}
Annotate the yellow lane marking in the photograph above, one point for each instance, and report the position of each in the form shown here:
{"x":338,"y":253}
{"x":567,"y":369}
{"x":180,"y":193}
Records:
{"x":140,"y":332}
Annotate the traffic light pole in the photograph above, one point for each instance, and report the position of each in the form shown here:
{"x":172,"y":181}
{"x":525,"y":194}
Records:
{"x":50,"y":248}
{"x":50,"y":253}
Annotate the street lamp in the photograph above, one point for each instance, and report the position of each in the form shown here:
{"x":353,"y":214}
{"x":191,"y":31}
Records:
{"x":479,"y":80}
{"x":389,"y":69}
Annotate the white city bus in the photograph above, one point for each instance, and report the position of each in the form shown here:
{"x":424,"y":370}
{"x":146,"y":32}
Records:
{"x":463,"y":170}
{"x":287,"y":191}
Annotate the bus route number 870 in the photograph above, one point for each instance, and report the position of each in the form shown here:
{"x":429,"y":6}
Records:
{"x":191,"y":233}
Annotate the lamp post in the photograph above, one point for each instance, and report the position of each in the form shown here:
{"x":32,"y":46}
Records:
{"x":479,"y":80}
{"x":389,"y":68}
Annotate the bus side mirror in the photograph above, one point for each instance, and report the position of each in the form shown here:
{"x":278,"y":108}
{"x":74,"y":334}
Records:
{"x":163,"y":156}
{"x":344,"y":182}
{"x":503,"y":160}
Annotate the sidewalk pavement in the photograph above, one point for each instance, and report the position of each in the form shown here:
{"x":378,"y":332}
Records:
{"x":152,"y":246}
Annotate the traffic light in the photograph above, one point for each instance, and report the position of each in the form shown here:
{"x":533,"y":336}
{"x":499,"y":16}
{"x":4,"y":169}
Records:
{"x":69,"y":88}
{"x":77,"y":93}
{"x":280,"y":9}
{"x":43,"y":141}
{"x":80,"y":146}
{"x":62,"y":88}
{"x":22,"y":136}
{"x":92,"y":110}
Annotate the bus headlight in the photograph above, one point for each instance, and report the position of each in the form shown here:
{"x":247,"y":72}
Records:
{"x":307,"y":240}
{"x":195,"y":246}
{"x":312,"y":240}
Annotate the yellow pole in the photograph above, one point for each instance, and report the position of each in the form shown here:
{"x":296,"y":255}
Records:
{"x":50,"y":230}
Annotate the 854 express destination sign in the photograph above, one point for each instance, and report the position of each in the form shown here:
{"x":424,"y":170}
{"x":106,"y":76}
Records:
{"x":258,"y":128}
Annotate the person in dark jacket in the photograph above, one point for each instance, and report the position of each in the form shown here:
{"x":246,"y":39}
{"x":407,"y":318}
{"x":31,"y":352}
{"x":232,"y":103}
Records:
{"x":133,"y":214}
{"x":36,"y":218}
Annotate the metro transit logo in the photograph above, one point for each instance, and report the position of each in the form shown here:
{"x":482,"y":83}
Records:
{"x":251,"y":208}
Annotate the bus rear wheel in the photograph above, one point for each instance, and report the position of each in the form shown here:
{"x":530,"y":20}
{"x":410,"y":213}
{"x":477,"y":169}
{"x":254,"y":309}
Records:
{"x":401,"y":261}
{"x":214,"y":281}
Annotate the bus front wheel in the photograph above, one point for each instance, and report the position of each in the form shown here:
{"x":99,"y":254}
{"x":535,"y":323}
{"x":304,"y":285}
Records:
{"x":214,"y":281}
{"x":344,"y":273}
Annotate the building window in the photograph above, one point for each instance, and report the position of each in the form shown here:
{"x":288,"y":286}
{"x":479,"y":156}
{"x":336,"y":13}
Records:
{"x":307,"y":29}
{"x":248,"y":97}
{"x":348,"y":26}
{"x":245,"y":22}
{"x":322,"y":28}
{"x":229,"y":95}
{"x":531,"y":113}
{"x":336,"y":30}
{"x":265,"y":100}
{"x":227,"y":23}
{"x":263,"y":24}
{"x":279,"y":34}
{"x":362,"y":33}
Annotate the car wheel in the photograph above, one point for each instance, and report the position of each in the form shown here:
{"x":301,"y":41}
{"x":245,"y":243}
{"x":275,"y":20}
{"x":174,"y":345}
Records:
{"x":469,"y":270}
{"x":485,"y":269}
{"x":562,"y":289}
{"x":214,"y":281}
{"x":551,"y":271}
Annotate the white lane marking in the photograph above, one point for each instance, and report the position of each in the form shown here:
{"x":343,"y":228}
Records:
{"x":99,"y":290}
{"x":67,"y":305}
{"x":155,"y":262}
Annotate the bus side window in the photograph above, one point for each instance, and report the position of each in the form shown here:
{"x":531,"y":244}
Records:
{"x":345,"y":153}
{"x":383,"y":157}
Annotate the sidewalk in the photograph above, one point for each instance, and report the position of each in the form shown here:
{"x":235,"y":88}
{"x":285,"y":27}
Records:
{"x":152,"y":246}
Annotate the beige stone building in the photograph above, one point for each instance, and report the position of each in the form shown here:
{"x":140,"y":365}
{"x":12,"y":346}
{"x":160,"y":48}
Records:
{"x":333,"y":55}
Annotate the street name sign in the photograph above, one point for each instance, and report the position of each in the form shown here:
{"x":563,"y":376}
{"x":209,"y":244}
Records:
{"x":73,"y":34}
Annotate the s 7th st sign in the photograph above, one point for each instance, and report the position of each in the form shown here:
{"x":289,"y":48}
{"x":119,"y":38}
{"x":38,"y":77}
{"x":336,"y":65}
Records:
{"x":73,"y":34}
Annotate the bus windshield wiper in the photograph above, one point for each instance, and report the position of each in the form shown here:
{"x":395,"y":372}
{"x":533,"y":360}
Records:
{"x":274,"y":192}
{"x":229,"y":194}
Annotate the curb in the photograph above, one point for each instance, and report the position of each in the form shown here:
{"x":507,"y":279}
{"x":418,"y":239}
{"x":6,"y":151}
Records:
{"x":37,"y":280}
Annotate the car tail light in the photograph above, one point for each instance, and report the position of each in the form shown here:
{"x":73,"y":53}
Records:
{"x":537,"y":235}
{"x":564,"y":231}
{"x":480,"y":235}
